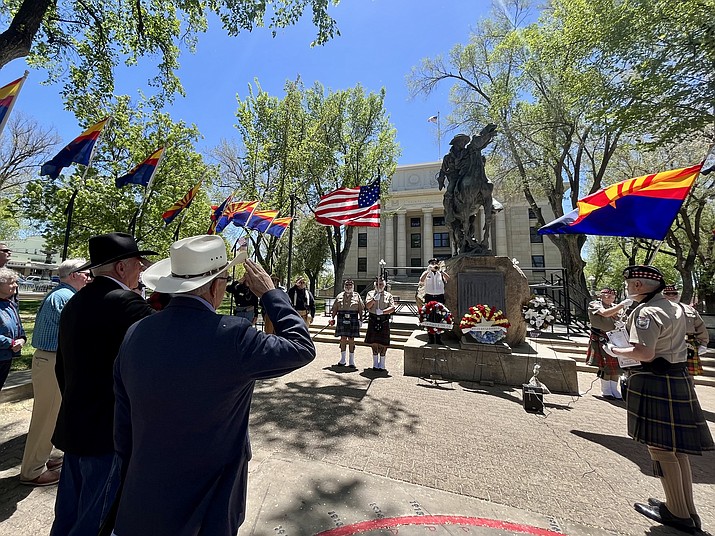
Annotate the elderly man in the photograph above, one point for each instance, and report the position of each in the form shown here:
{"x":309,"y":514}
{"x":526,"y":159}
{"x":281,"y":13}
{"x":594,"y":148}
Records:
{"x":183,"y":441}
{"x":663,"y":409}
{"x":302,"y":300}
{"x":5,"y":254}
{"x":92,"y":326}
{"x":46,"y":405}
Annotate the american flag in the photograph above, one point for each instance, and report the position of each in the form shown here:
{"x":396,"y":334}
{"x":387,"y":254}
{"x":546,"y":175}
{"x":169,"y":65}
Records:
{"x":357,"y":207}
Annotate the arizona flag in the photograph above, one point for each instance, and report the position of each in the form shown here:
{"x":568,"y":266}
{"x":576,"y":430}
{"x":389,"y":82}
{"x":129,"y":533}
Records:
{"x":357,"y":207}
{"x":261,"y":219}
{"x":144,"y":172}
{"x":8,"y":96}
{"x":241,"y":212}
{"x":79,"y":151}
{"x":217,"y":214}
{"x":644,"y":207}
{"x":278,"y":226}
{"x":181,"y":204}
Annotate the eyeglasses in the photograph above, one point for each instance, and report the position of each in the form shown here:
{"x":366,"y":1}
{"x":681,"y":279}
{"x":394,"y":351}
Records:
{"x":6,"y":250}
{"x":670,"y":293}
{"x":228,"y":279}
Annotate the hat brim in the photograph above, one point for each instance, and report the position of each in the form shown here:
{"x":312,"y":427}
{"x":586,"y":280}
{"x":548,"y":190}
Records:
{"x":158,"y":276}
{"x":89,"y":265}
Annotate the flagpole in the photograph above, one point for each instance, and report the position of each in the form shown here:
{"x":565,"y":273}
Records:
{"x":148,"y":190}
{"x":70,"y":206}
{"x":12,"y":102}
{"x":290,"y":238}
{"x":439,"y":139}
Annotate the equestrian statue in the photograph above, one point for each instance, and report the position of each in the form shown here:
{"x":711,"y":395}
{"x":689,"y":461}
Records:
{"x":468,"y":188}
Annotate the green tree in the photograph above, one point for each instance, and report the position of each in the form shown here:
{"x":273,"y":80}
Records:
{"x":100,"y":207}
{"x":312,"y":251}
{"x":81,"y":42}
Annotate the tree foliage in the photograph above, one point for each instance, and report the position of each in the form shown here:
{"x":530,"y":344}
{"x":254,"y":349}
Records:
{"x":81,"y":42}
{"x":100,"y":207}
{"x":306,"y":144}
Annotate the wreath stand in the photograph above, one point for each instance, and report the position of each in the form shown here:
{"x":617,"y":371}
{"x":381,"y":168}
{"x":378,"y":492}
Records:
{"x":434,"y":367}
{"x":438,"y":372}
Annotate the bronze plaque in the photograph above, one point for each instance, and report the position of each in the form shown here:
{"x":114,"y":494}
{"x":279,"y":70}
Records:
{"x":485,"y":287}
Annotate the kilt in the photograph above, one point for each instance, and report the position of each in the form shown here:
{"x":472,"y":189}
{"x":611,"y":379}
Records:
{"x":664,"y":412}
{"x":378,"y":330}
{"x":347,"y":324}
{"x":597,"y":357}
{"x":695,"y":367}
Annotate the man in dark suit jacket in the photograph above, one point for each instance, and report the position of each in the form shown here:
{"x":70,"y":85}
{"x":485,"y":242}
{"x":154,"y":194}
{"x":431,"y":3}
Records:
{"x":92,"y":326}
{"x":184,"y":380}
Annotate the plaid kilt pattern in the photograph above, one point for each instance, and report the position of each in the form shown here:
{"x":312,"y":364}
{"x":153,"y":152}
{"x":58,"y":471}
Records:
{"x":695,"y":367}
{"x":378,"y":330}
{"x":597,"y":357}
{"x":664,"y":412}
{"x":347,"y":326}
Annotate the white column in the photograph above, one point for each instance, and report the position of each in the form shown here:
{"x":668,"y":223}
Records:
{"x":401,"y":241}
{"x":427,"y":238}
{"x":500,"y":238}
{"x":389,"y":254}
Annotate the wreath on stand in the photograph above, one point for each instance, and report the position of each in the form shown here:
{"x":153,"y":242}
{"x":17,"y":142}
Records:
{"x":485,"y":323}
{"x":539,"y":313}
{"x":435,"y":317}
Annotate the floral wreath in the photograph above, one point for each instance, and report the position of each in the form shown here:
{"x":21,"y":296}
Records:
{"x":431,"y":309}
{"x":485,"y":323}
{"x":539,"y":313}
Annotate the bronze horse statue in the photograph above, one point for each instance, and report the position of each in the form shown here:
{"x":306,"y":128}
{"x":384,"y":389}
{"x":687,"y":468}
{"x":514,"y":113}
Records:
{"x":468,"y":189}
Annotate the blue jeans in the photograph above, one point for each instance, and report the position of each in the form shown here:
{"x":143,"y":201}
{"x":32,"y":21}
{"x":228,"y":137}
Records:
{"x":88,"y":486}
{"x":248,"y":314}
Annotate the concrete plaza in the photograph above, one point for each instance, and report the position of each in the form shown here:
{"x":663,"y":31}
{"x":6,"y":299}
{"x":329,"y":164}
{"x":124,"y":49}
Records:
{"x":346,"y":452}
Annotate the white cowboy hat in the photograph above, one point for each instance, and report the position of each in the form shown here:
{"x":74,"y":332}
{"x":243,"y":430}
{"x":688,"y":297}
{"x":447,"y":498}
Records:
{"x":192,"y":262}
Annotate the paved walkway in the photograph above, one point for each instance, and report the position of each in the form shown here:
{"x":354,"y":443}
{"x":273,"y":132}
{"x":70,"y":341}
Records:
{"x":338,"y":452}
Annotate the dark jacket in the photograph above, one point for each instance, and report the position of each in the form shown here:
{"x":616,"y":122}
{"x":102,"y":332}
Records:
{"x":302,"y":300}
{"x":242,"y":296}
{"x":92,"y":326}
{"x":184,"y":381}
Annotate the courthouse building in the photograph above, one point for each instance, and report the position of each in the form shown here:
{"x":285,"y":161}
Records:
{"x":413,"y":231}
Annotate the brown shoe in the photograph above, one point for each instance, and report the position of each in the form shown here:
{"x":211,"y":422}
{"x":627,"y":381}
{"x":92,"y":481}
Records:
{"x":48,"y":478}
{"x":55,"y":463}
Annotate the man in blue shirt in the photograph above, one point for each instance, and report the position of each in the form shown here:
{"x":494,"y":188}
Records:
{"x":37,"y":467}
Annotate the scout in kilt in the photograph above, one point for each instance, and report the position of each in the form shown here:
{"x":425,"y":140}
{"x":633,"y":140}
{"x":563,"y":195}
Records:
{"x":601,"y":315}
{"x":381,"y":305}
{"x":663,"y":408}
{"x":347,"y":318}
{"x":696,"y":336}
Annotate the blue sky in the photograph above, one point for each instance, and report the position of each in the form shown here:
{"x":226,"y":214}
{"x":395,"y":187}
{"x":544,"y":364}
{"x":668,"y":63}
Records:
{"x":381,"y":41}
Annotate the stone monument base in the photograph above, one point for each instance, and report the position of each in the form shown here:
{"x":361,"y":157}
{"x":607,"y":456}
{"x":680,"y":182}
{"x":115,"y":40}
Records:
{"x":487,"y":363}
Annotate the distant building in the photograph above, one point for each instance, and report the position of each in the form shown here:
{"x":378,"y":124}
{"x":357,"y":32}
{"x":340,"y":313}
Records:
{"x":30,"y":258}
{"x":413,"y":231}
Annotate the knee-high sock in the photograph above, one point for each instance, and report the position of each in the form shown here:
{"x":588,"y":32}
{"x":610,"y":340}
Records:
{"x":375,"y":361}
{"x":666,"y":466}
{"x":687,"y":477}
{"x":382,"y":362}
{"x":614,"y":389}
{"x":352,"y":359}
{"x":606,"y":388}
{"x":342,"y":357}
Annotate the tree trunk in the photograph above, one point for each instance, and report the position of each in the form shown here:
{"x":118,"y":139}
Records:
{"x":16,"y":41}
{"x":570,"y":248}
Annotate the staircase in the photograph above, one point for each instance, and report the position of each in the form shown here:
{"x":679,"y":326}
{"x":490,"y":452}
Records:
{"x":399,"y":333}
{"x":576,"y":350}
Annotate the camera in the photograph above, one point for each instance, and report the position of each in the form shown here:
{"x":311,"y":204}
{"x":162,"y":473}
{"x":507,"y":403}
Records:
{"x":435,"y":268}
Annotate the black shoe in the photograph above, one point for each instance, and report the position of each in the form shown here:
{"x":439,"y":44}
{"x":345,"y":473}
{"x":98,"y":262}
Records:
{"x":662,"y":515}
{"x":340,"y":365}
{"x":695,"y":517}
{"x":352,"y":367}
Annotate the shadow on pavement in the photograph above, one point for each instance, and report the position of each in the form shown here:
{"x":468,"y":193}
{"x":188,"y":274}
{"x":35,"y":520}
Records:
{"x":702,"y":466}
{"x":297,"y":413}
{"x":12,"y":493}
{"x":11,"y":451}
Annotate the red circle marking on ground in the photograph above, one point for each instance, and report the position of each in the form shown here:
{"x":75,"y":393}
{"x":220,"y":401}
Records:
{"x":389,"y":522}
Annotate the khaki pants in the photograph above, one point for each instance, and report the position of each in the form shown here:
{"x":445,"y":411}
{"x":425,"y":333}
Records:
{"x":38,"y":446}
{"x":305,"y":315}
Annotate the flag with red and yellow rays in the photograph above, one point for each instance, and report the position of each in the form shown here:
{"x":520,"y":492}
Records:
{"x":78,"y":151}
{"x":278,"y":226}
{"x":644,"y":207}
{"x":174,"y":210}
{"x":8,"y":97}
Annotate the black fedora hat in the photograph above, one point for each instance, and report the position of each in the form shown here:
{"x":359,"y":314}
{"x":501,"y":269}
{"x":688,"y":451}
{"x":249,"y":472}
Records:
{"x":112,"y":247}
